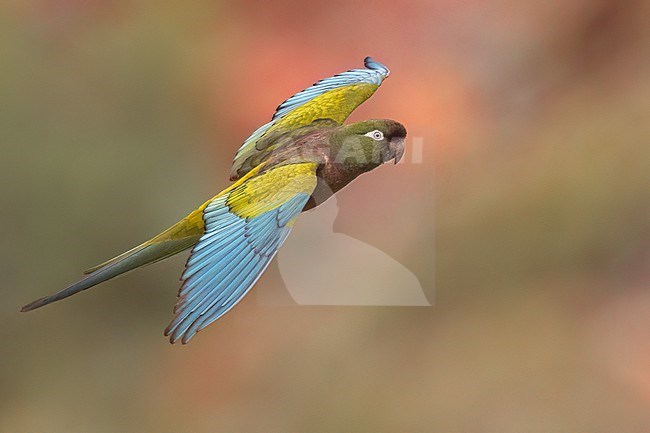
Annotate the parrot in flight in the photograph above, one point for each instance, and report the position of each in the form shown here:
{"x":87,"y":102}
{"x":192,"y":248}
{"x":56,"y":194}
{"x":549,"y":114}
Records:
{"x":291,"y":164}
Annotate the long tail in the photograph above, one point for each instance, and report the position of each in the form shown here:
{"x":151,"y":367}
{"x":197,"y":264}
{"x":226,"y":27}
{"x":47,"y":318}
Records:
{"x":177,"y":238}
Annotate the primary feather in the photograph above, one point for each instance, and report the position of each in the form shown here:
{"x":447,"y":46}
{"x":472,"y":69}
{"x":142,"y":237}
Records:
{"x":244,"y":229}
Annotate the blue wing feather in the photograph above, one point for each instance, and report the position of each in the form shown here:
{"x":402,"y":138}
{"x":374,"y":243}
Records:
{"x":374,"y":73}
{"x":227,"y":261}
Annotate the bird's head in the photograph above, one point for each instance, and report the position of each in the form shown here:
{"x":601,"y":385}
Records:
{"x":365,"y":145}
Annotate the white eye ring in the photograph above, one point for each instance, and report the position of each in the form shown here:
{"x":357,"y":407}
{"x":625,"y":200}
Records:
{"x":376,"y":135}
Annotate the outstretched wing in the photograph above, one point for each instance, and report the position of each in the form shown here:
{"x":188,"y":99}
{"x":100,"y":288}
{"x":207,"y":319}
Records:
{"x":244,"y":227}
{"x":332,"y":98}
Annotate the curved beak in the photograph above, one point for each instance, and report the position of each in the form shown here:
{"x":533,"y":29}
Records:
{"x":396,"y":148}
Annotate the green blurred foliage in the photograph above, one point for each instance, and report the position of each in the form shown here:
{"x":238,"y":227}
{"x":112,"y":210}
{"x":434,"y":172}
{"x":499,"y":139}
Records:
{"x":526,"y":222}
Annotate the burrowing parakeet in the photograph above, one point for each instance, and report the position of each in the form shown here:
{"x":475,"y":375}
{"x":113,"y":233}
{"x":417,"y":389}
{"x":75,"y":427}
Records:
{"x":291,"y":164}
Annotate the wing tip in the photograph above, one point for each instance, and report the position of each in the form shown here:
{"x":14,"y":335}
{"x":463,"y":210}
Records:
{"x":375,"y":65}
{"x":175,"y":336}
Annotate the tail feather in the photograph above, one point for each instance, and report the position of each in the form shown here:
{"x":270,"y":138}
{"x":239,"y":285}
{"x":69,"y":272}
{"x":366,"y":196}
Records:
{"x":113,"y":260}
{"x":135,"y":258}
{"x":177,"y":238}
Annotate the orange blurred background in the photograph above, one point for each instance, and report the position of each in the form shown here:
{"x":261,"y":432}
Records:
{"x":526,"y":222}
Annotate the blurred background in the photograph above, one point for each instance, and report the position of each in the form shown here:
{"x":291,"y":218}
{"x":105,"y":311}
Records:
{"x":526,"y":222}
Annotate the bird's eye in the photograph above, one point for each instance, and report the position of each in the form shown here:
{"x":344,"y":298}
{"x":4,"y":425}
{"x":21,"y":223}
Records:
{"x":375,"y":135}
